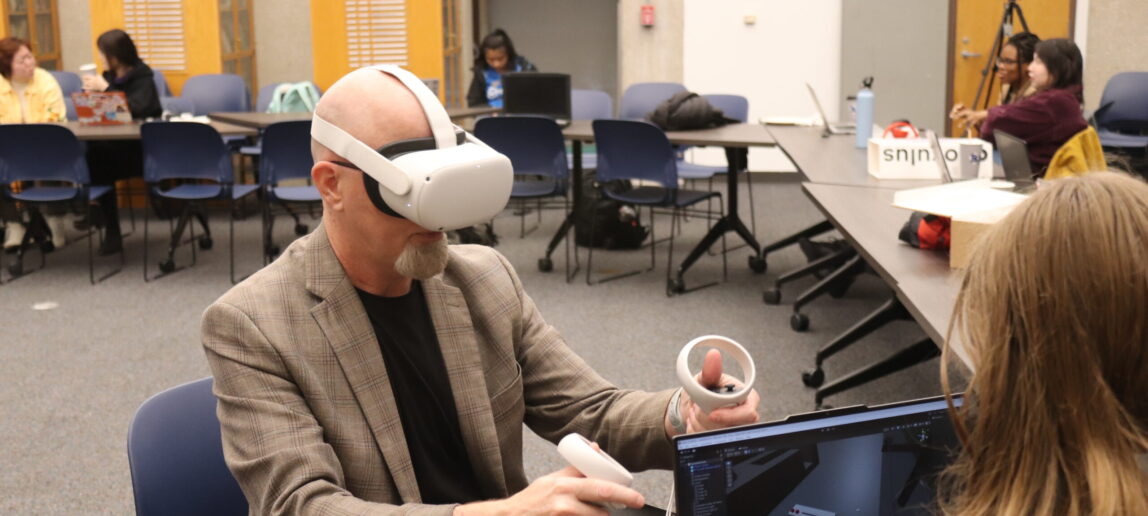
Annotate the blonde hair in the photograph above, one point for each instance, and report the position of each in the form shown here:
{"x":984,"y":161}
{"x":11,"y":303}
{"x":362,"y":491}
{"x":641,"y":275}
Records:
{"x":1053,"y":312}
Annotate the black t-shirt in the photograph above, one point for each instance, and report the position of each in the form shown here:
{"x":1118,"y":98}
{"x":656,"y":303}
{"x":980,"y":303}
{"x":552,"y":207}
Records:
{"x":419,"y":380}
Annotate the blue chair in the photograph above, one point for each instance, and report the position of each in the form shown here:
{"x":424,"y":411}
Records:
{"x":589,"y":105}
{"x":161,"y":87}
{"x":47,"y":161}
{"x":266,"y":94}
{"x":638,"y":150}
{"x":1122,"y":118}
{"x":177,"y":105}
{"x":188,"y":163}
{"x":175,"y":453}
{"x":286,"y":155}
{"x":69,"y":82}
{"x":737,"y":108}
{"x":212,"y":93}
{"x":70,"y":110}
{"x":642,"y":97}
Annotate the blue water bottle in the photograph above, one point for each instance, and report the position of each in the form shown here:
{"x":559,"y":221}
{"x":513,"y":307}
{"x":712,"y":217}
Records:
{"x":864,"y":113}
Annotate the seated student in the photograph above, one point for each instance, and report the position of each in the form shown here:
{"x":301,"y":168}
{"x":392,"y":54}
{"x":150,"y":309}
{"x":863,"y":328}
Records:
{"x":1052,"y":313}
{"x":113,"y":161}
{"x":496,"y":56}
{"x":373,"y":369}
{"x":1012,"y":71}
{"x":28,"y":95}
{"x":1052,"y":115}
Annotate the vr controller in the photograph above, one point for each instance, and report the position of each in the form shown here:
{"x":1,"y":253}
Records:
{"x":709,"y":398}
{"x":593,"y":463}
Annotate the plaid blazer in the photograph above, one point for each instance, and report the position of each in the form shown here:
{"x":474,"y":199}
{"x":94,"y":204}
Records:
{"x":309,"y":420}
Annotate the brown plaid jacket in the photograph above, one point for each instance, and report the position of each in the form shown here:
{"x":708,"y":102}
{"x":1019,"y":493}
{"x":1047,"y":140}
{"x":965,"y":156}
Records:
{"x":309,"y":420}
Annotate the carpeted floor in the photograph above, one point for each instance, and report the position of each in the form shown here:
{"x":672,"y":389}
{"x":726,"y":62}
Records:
{"x":73,"y":375}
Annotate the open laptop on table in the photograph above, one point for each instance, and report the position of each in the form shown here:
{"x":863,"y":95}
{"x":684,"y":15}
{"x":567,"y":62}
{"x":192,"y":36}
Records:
{"x":535,"y":93}
{"x":939,"y":156}
{"x":829,"y":128}
{"x":1014,"y":160}
{"x":855,"y":461}
{"x":102,"y":108}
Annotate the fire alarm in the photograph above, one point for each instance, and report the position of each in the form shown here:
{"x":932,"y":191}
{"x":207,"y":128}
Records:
{"x":647,"y":15}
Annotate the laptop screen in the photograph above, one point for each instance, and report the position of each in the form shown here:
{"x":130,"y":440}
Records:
{"x":534,"y":93}
{"x":856,"y":462}
{"x":1014,"y":156}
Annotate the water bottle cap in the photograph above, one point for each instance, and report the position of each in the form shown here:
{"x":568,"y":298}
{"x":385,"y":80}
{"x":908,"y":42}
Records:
{"x":867,"y":82}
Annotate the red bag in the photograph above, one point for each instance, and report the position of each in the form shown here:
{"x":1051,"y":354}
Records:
{"x":925,"y":231}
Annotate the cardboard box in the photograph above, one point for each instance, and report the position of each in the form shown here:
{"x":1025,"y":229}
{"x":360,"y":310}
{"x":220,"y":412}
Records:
{"x":966,"y":230}
{"x":973,"y":207}
{"x":912,"y":158}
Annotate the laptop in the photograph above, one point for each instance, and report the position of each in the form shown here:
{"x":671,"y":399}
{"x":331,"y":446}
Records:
{"x":535,"y":93}
{"x":829,"y":128}
{"x":1014,"y":159}
{"x":939,"y":156}
{"x":855,"y":461}
{"x":101,"y":108}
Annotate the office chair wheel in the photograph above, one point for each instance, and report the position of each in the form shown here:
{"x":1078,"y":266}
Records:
{"x":799,"y":322}
{"x":757,"y":264}
{"x":545,"y":265}
{"x":301,"y":229}
{"x":167,"y":266}
{"x":206,"y":243}
{"x":771,"y":296}
{"x":813,"y":378}
{"x":675,"y":286}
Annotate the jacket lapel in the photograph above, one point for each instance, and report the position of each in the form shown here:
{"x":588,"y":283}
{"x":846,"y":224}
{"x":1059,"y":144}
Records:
{"x":348,"y":330}
{"x":456,"y":338}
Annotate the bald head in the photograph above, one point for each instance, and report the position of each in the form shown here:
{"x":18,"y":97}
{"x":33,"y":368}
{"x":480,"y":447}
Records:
{"x":374,"y":107}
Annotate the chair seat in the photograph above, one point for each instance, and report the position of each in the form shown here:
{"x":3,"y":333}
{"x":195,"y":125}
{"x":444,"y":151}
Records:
{"x":192,"y":192}
{"x":589,"y":161}
{"x":251,"y":150}
{"x":241,"y":191}
{"x":1122,"y":141}
{"x":46,"y":194}
{"x":688,"y":170}
{"x":658,"y":196}
{"x":540,"y":188}
{"x":296,"y":193}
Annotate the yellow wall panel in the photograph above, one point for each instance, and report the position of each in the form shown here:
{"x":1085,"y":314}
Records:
{"x":424,"y":29}
{"x":328,"y":42}
{"x":3,"y":20}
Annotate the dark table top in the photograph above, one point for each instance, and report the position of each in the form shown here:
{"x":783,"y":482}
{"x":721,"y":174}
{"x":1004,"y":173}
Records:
{"x":921,"y":279}
{"x":833,"y":159}
{"x":733,"y":135}
{"x":262,"y":120}
{"x":132,"y":131}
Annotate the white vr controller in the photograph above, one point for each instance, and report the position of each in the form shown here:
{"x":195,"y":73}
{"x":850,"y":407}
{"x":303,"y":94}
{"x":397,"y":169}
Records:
{"x":592,"y":463}
{"x":706,"y":397}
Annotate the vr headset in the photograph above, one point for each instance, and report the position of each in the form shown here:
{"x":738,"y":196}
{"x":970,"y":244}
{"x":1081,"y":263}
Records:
{"x":448,"y":181}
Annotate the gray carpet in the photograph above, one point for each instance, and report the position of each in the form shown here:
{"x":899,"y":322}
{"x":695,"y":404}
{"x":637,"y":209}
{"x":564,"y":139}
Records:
{"x":74,"y":375}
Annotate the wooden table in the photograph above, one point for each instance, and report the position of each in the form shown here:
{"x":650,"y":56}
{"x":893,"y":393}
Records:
{"x":132,"y":131}
{"x":735,"y":138}
{"x":262,"y":120}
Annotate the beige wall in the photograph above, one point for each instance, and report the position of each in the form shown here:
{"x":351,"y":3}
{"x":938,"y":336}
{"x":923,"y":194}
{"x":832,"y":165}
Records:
{"x":282,"y":41}
{"x":1117,"y":42}
{"x":76,"y":38}
{"x":649,"y":53}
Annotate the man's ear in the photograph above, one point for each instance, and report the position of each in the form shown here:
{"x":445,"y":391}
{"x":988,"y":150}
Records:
{"x":325,"y":175}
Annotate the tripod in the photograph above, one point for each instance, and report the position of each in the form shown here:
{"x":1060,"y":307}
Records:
{"x":1004,"y":30}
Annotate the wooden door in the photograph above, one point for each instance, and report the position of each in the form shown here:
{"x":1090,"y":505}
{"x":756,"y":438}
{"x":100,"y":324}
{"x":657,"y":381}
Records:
{"x":37,"y":22}
{"x":974,"y":25}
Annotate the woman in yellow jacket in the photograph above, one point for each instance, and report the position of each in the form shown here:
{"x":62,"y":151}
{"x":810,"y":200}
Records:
{"x":28,"y":95}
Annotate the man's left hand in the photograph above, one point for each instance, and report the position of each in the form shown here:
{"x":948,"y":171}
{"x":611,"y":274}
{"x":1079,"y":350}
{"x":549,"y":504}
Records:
{"x":724,"y":417}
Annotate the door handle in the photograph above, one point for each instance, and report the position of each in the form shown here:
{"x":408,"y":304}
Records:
{"x":966,"y":54}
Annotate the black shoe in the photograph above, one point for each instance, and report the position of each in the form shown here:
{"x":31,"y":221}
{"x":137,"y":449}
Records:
{"x":111,"y":245}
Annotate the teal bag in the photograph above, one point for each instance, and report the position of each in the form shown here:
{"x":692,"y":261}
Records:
{"x":294,"y":97}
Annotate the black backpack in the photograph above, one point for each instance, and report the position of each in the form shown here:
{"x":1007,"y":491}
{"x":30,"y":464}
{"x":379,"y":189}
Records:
{"x":616,"y":225}
{"x":687,"y":110}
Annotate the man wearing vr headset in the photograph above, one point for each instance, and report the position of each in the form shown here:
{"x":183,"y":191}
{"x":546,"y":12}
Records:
{"x":373,"y":369}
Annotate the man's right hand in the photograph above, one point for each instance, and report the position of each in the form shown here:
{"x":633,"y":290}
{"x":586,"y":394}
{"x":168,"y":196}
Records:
{"x":564,"y":492}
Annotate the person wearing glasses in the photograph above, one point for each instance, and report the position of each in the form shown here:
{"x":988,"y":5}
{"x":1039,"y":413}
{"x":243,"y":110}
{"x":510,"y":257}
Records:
{"x":1012,"y":72}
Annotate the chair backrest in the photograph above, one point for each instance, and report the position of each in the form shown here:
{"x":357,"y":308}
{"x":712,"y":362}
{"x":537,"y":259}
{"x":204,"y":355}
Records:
{"x":732,"y":106}
{"x":1080,"y":155}
{"x":70,"y":109}
{"x":177,"y":105}
{"x":634,"y":149}
{"x":184,"y":150}
{"x":1124,"y":103}
{"x":286,"y":152}
{"x":69,"y":82}
{"x":534,"y":144}
{"x":590,"y":105}
{"x":176,"y":456}
{"x":161,"y":87}
{"x":263,"y":99}
{"x":217,"y":92}
{"x":642,"y":97}
{"x":41,"y":152}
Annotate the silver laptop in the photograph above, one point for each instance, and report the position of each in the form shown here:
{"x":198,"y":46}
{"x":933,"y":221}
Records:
{"x":939,"y":156}
{"x":855,"y":461}
{"x":829,"y":128}
{"x":1014,"y":158}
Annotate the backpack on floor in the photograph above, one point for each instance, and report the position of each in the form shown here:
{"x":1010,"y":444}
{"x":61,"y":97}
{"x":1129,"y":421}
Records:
{"x":294,"y":97}
{"x":615,"y":225}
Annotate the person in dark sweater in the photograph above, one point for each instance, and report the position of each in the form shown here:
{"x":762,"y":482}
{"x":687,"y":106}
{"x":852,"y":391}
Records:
{"x":109,"y":162}
{"x":496,"y":56}
{"x":1053,"y":114}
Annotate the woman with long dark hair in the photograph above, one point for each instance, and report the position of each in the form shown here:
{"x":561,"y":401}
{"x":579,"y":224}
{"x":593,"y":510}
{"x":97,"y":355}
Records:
{"x":496,"y":56}
{"x":1012,"y":71}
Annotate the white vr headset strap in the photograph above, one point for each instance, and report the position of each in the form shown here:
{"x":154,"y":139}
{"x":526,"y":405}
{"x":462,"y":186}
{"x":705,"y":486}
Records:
{"x":369,"y":160}
{"x":441,"y":126}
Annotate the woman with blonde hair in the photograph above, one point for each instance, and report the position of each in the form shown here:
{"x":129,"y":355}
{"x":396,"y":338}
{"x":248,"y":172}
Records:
{"x":1053,"y":313}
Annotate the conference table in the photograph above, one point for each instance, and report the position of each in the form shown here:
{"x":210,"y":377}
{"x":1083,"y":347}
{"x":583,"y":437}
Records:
{"x":262,"y":120}
{"x":735,"y":138}
{"x":132,"y":131}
